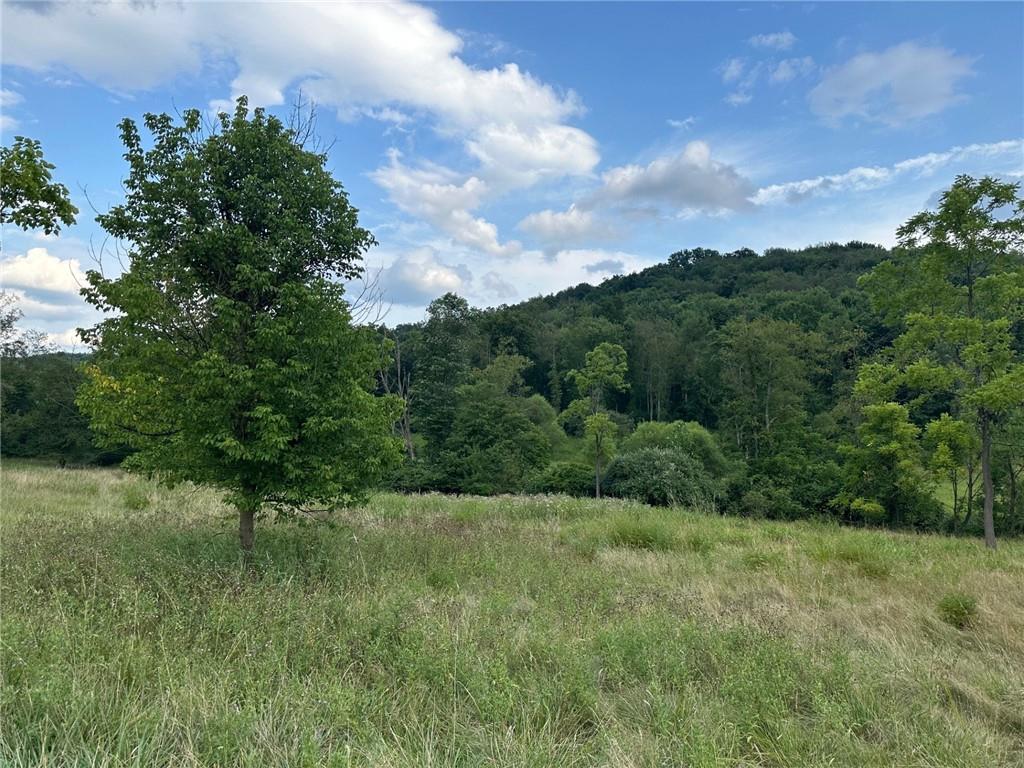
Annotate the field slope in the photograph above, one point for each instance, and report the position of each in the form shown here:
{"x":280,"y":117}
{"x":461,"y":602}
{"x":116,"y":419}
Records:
{"x":508,"y":631}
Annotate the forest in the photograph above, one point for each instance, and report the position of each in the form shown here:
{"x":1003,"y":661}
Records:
{"x":726,"y":381}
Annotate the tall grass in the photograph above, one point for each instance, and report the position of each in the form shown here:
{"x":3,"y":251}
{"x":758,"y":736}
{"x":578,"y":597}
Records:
{"x":512,"y":631}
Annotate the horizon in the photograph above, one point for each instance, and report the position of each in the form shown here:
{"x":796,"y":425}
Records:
{"x":496,"y":156}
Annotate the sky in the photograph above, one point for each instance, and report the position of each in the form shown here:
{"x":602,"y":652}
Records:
{"x":508,"y":150}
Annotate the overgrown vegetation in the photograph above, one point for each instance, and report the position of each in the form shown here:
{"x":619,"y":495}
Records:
{"x":510,"y":631}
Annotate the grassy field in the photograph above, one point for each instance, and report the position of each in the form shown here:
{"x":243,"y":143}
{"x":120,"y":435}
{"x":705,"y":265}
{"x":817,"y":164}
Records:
{"x":509,"y":631}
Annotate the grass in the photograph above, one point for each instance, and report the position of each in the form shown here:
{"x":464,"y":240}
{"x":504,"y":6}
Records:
{"x":513,"y":631}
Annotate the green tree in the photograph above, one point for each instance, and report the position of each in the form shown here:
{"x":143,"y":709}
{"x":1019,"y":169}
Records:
{"x":442,"y":350}
{"x":885,"y":477}
{"x":29,"y":197}
{"x":958,"y":289}
{"x":764,"y":377}
{"x":494,"y":445}
{"x":604,"y":373}
{"x":600,"y":432}
{"x":231,"y":359}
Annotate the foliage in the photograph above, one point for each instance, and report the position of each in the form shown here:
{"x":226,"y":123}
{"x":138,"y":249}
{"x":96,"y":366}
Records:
{"x":958,"y":289}
{"x":663,"y":477}
{"x":884,"y":470}
{"x":685,"y":437}
{"x":29,"y":198}
{"x":494,"y":446}
{"x":231,"y":358}
{"x":959,"y":610}
{"x":599,"y":434}
{"x":572,"y":478}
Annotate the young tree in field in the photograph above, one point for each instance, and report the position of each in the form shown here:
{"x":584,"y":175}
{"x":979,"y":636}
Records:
{"x":231,"y":359}
{"x":600,"y":432}
{"x":959,"y":290}
{"x":604,"y":373}
{"x":29,"y":198}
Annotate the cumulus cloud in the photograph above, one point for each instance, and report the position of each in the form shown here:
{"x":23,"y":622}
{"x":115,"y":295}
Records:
{"x":556,"y":229}
{"x":393,"y":62}
{"x":40,"y":270}
{"x":445,"y":200}
{"x":690,"y":180}
{"x":605,"y":266}
{"x":497,"y":286}
{"x":901,"y":84}
{"x":779,"y":41}
{"x":862,"y":178}
{"x":420,"y":276}
{"x":790,"y":69}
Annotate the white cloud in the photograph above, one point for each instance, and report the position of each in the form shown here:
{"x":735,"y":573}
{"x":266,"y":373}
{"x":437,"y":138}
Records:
{"x":790,"y":69}
{"x":420,"y":276}
{"x":685,"y":124}
{"x":862,"y":178}
{"x":903,"y":83}
{"x":517,"y":156}
{"x":690,"y":180}
{"x":383,"y":60}
{"x":556,"y":229}
{"x":496,"y":285}
{"x":8,"y":99}
{"x":445,"y":200}
{"x":780,"y":41}
{"x":41,"y":271}
{"x":738,"y":98}
{"x":732,"y":70}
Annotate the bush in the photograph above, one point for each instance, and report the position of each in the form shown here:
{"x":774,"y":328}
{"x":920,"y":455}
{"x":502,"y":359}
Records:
{"x":661,"y":476}
{"x":688,"y":437}
{"x":569,"y":477}
{"x":958,"y":610}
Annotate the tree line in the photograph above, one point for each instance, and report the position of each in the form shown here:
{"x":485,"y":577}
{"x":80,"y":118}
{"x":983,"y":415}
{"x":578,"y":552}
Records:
{"x":847,"y":381}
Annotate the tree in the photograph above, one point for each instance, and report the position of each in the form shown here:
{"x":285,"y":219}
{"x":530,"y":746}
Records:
{"x":493,"y":445}
{"x":604,"y":373}
{"x":231,"y":359}
{"x":29,"y":198}
{"x":884,"y":473}
{"x":442,"y":365}
{"x":15,"y":342}
{"x":764,"y":377}
{"x":600,"y":433}
{"x":958,"y":288}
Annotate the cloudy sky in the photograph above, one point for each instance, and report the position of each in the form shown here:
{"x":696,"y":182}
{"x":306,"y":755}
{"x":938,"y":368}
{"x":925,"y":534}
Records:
{"x":508,"y":150}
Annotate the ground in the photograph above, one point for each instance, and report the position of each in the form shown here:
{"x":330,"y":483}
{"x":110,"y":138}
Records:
{"x":513,"y":631}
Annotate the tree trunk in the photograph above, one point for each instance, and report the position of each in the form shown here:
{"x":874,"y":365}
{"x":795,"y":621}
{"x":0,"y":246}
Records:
{"x":986,"y":480}
{"x":597,"y":478}
{"x":246,"y":515}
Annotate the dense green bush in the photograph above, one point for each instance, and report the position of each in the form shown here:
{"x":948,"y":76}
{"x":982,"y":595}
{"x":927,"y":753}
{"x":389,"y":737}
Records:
{"x":687,"y":437}
{"x":661,"y":476}
{"x":568,"y":477}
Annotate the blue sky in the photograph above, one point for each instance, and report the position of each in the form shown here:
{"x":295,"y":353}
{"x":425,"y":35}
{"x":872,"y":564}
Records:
{"x":507,"y":150}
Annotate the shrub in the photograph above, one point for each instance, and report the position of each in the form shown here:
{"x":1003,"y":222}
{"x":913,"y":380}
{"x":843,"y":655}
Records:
{"x":569,"y":477}
{"x":688,"y":437}
{"x":661,"y":476}
{"x":958,"y":610}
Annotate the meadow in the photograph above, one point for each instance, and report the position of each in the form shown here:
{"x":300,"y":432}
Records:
{"x":506,"y":631}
